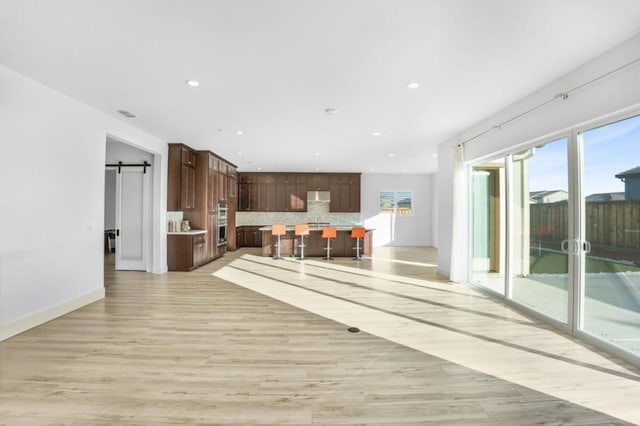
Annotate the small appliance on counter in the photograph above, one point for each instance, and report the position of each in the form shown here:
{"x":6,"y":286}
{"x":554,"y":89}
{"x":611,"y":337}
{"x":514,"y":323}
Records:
{"x":184,"y":226}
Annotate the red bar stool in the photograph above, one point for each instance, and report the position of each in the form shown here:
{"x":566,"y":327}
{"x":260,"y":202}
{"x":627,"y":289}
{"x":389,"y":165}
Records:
{"x":329,"y":232}
{"x":357,"y":232}
{"x":278,"y":230}
{"x":302,"y":230}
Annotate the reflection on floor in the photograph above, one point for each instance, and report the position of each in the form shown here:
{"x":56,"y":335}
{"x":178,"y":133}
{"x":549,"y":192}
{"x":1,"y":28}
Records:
{"x":207,"y":347}
{"x":449,"y":321}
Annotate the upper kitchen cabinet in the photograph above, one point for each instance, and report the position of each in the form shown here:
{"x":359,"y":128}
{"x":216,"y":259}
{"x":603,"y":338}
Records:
{"x":181,"y":185}
{"x":317,"y":182}
{"x":232,"y":183}
{"x":267,"y":192}
{"x":287,"y":192}
{"x":291,"y":192}
{"x":345,"y":192}
{"x":212,"y":183}
{"x":223,"y":181}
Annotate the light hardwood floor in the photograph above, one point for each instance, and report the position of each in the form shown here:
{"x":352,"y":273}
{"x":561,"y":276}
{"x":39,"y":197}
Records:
{"x":249,"y":340}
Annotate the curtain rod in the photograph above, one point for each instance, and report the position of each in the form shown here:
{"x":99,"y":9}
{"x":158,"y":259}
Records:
{"x":120,"y":165}
{"x":561,"y":95}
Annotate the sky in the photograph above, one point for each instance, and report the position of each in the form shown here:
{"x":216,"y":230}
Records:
{"x":608,"y":150}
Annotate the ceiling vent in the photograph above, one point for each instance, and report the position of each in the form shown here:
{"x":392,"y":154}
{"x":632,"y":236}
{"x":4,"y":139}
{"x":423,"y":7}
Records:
{"x":126,"y":113}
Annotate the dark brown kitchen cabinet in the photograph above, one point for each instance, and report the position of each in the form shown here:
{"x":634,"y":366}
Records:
{"x":181,"y":184}
{"x":287,"y":192}
{"x":197,"y":182}
{"x":222,"y":181}
{"x":249,"y":236}
{"x":187,"y":187}
{"x":240,"y":236}
{"x":232,"y":244}
{"x":232,"y":184}
{"x":318,"y":182}
{"x":212,"y":190}
{"x":186,"y":252}
{"x":345,"y":192}
{"x":247,"y":192}
{"x":267,"y":192}
{"x":291,"y":193}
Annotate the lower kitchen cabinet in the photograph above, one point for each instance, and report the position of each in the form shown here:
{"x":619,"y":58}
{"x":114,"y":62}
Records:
{"x":248,"y":236}
{"x":186,"y":251}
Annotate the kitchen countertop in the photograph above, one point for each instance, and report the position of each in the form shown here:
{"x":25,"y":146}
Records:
{"x":313,"y":228}
{"x":189,"y":232}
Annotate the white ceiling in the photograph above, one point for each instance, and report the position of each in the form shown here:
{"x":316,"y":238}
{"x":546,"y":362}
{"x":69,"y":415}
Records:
{"x":270,"y":68}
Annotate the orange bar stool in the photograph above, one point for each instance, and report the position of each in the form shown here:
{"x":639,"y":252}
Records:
{"x":329,"y":232}
{"x":302,"y":230}
{"x":358,"y":232}
{"x":278,"y":230}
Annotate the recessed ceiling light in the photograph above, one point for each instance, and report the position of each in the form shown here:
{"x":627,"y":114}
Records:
{"x":413,"y":85}
{"x":317,"y":168}
{"x":331,"y":111}
{"x":435,"y":155}
{"x":239,"y":153}
{"x":239,"y":132}
{"x":392,"y":155}
{"x":372,"y":170}
{"x":259,"y":168}
{"x":192,"y":83}
{"x":376,"y":134}
{"x":316,"y":153}
{"x":126,"y":113}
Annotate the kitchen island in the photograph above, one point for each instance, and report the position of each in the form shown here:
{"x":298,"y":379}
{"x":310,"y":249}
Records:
{"x":315,"y":246}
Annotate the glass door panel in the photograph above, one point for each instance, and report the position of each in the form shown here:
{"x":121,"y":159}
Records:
{"x":488,"y":221}
{"x":611,"y":292}
{"x":539,"y":219}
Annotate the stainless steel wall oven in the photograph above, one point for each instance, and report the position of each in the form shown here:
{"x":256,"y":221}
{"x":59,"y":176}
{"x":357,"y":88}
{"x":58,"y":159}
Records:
{"x":222,"y":223}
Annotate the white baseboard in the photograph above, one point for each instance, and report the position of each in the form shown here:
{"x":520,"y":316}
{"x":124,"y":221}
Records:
{"x":23,"y":324}
{"x":443,"y":272}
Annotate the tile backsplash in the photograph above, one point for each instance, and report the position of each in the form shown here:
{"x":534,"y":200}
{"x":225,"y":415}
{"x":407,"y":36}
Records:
{"x":177,"y":216}
{"x":316,"y":212}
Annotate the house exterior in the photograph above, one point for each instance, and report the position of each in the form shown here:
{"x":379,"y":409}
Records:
{"x":631,"y":179}
{"x":604,"y":197}
{"x":543,"y":197}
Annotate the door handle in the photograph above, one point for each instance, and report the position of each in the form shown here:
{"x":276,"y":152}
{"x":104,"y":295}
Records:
{"x":117,"y":232}
{"x":586,"y":247}
{"x":564,"y":246}
{"x":576,"y":246}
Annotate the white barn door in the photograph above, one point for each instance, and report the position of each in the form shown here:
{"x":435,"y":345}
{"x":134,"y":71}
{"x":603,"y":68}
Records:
{"x":132,"y":217}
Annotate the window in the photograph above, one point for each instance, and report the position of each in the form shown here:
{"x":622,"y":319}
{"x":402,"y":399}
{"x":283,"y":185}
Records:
{"x":398,"y":202}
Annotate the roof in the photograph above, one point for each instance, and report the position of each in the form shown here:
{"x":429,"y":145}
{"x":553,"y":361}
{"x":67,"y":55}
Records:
{"x":540,"y":194}
{"x":605,"y":196}
{"x":631,"y":172}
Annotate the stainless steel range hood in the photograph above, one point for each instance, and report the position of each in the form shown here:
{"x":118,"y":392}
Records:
{"x":319,"y":196}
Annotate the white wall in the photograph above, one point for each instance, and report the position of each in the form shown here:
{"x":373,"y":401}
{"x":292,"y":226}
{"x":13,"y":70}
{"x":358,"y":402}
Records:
{"x":409,"y":230}
{"x":52,"y":201}
{"x":614,"y":95}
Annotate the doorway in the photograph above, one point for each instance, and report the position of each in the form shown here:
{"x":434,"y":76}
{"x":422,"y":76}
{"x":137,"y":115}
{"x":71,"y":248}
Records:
{"x":128,"y":207}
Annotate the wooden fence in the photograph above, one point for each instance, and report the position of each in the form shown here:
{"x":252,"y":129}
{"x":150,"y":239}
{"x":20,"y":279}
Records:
{"x":611,"y":225}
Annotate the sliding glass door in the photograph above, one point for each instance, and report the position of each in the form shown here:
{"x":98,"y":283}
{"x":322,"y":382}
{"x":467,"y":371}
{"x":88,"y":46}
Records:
{"x":539,"y":218}
{"x":610,"y":296}
{"x":555,"y":228}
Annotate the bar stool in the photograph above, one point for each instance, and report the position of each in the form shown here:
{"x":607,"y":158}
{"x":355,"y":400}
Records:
{"x":329,"y":232}
{"x":278,"y":230}
{"x":357,"y":232}
{"x":302,"y":230}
